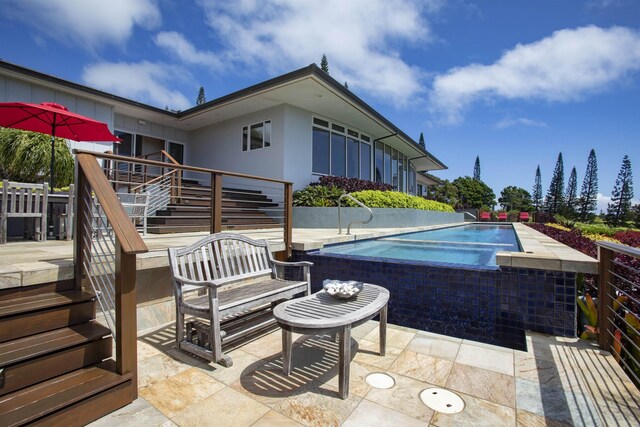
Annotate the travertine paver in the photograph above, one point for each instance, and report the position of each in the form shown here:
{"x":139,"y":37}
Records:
{"x":556,"y":382}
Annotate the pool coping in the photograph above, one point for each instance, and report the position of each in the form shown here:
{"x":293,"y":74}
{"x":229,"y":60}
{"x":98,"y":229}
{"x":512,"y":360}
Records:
{"x":539,"y":251}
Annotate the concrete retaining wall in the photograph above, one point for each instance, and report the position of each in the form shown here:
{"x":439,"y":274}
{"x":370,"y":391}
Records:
{"x":382,"y":217}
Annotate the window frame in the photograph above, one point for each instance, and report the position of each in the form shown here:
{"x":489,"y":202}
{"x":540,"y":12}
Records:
{"x":246,"y":140}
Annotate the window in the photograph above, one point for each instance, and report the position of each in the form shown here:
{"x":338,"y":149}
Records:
{"x":387,"y":164}
{"x":256,"y":136}
{"x":394,"y":169}
{"x":379,"y":162}
{"x":365,"y":161}
{"x":353,"y":158}
{"x":320,"y":151}
{"x":338,"y":150}
{"x":400,"y":172}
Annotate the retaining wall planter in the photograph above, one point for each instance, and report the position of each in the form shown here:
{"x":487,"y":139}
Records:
{"x":382,"y":217}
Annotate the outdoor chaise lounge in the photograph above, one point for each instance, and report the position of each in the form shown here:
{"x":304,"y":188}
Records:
{"x":524,"y":216}
{"x":485,"y":216}
{"x":502,"y":216}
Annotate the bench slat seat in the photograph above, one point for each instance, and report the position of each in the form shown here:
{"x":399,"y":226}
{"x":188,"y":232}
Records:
{"x":237,"y":275}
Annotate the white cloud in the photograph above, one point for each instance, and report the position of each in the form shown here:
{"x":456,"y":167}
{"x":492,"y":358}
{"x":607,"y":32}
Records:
{"x":88,"y":23}
{"x":178,"y":45}
{"x":601,"y":203}
{"x":563,"y":67}
{"x":361,"y":39}
{"x":145,"y":82}
{"x":520,"y":121}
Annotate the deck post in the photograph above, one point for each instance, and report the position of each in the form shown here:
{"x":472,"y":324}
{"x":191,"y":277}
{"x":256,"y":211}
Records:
{"x":125,"y":304}
{"x":216,"y":202}
{"x":605,"y":299}
{"x":82,"y":199}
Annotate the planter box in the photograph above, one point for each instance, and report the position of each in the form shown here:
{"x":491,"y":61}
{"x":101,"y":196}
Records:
{"x":382,"y":217}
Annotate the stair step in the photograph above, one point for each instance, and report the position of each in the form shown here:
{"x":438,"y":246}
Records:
{"x":27,"y":361}
{"x":23,"y":291}
{"x":42,"y":400}
{"x":33,"y":314}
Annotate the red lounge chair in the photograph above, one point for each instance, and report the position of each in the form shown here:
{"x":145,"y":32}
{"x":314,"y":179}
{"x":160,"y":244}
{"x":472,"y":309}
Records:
{"x":524,"y":216}
{"x":502,"y":216}
{"x":485,"y":216}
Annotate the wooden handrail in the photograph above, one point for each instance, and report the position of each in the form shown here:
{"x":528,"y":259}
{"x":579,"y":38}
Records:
{"x":617,"y":247}
{"x":125,"y":231}
{"x":178,"y":166}
{"x":154,"y":180}
{"x":162,"y":152}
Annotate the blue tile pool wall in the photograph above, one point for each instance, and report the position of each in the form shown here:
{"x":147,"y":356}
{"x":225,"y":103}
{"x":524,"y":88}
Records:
{"x":487,"y":305}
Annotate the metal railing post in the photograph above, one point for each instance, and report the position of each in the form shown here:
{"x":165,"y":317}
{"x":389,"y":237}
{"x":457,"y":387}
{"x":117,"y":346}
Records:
{"x":288,"y":223}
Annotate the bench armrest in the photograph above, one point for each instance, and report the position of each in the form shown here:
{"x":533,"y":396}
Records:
{"x":208,"y":283}
{"x":293,"y":264}
{"x":303,"y":265}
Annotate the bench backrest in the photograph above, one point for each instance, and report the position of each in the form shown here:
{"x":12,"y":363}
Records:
{"x":225,"y":257}
{"x":24,"y":200}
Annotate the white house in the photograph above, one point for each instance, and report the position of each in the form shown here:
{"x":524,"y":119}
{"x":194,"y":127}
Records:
{"x":294,"y":127}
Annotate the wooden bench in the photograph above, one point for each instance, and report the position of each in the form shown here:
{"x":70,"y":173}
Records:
{"x":232,"y":276}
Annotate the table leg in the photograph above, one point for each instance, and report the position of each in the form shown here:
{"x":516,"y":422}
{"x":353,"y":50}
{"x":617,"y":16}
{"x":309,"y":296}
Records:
{"x":383,"y":330}
{"x":344,"y":360}
{"x":286,"y":351}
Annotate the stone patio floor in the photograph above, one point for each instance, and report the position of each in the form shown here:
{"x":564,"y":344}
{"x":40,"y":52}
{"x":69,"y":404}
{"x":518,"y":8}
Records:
{"x":557,"y":382}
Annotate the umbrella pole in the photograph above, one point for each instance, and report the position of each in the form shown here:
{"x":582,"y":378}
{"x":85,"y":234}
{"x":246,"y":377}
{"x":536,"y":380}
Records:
{"x":53,"y":152}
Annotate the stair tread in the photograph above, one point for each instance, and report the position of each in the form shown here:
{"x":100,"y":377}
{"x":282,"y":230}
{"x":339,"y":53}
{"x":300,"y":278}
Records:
{"x":42,"y":301}
{"x":33,"y":346}
{"x":33,"y":402}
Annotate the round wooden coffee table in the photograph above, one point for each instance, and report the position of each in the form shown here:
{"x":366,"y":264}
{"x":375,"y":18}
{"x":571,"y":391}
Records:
{"x":322,"y":313}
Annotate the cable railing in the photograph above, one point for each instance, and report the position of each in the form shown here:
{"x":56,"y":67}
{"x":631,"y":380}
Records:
{"x":619,"y":305}
{"x":184,"y":199}
{"x":105,"y":247}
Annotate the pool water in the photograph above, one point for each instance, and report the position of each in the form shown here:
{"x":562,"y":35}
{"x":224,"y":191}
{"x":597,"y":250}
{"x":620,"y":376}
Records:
{"x":473,"y":244}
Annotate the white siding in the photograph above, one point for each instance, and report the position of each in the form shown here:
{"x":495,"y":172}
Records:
{"x":298,"y":149}
{"x":219,"y":146}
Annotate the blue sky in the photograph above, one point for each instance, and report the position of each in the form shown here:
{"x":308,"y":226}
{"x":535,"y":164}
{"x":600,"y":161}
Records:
{"x":515,"y":82}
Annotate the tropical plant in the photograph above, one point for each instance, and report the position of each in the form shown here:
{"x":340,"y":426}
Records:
{"x":349,"y":185}
{"x":571,"y":197}
{"x":537,"y":190}
{"x":555,"y":195}
{"x":473,"y":193}
{"x":516,"y":199}
{"x":476,"y":169}
{"x":26,"y":157}
{"x":589,"y":192}
{"x":396,"y":199}
{"x":446,"y":192}
{"x":620,"y":207}
{"x":201,"y":98}
{"x":317,"y":196}
{"x":324,"y":64}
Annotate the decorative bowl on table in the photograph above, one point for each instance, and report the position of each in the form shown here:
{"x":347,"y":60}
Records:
{"x":342,"y":289}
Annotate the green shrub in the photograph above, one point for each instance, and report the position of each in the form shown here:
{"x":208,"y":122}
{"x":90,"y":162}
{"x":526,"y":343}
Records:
{"x":600,"y":229}
{"x":319,"y":196}
{"x":395,"y":199}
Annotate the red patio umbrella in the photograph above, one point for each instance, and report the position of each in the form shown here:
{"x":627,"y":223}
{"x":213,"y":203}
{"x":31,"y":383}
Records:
{"x":55,"y":120}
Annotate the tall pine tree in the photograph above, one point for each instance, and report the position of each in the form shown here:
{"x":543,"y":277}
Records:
{"x":324,"y":64}
{"x":555,"y":195}
{"x":537,"y":190}
{"x":421,"y":141}
{"x":589,"y":192}
{"x":571,"y":197}
{"x":620,"y":207}
{"x":201,"y":98}
{"x":476,"y":169}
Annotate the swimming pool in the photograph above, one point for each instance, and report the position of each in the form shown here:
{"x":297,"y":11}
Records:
{"x":452,"y":286}
{"x":472,"y":244}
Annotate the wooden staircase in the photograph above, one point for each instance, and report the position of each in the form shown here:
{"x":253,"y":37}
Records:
{"x":241,"y":210}
{"x":56,"y":363}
